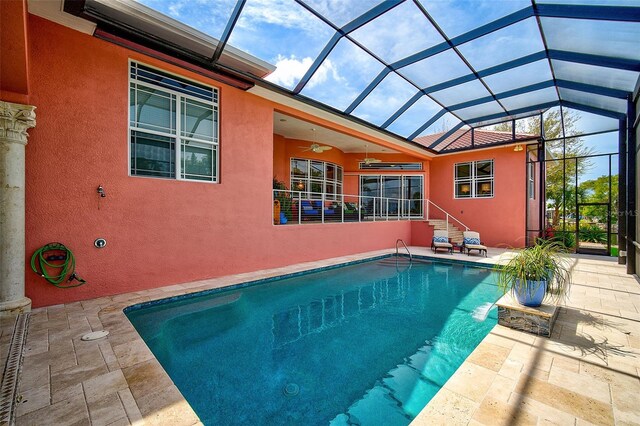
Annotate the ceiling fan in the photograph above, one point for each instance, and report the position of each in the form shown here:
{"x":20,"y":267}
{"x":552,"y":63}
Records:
{"x":316,"y":147}
{"x":369,"y":160}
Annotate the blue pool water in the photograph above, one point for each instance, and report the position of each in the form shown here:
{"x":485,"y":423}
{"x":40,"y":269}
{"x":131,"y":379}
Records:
{"x":368,"y":344}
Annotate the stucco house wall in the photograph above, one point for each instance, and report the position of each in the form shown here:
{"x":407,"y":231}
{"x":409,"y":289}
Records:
{"x":499,"y":219}
{"x":158,"y":231}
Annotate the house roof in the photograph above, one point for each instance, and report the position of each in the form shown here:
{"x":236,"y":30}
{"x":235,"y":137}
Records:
{"x":472,"y":138}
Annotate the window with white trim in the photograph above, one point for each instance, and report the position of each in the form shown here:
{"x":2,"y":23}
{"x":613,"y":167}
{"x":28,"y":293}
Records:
{"x":173,"y":126}
{"x":531,"y":181}
{"x":401,"y":195}
{"x":313,"y":178}
{"x":473,"y":179}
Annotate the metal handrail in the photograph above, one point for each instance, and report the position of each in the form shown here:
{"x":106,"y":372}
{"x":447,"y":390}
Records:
{"x":379,"y":207}
{"x":376,"y":208}
{"x":405,"y":247}
{"x":447,"y":215}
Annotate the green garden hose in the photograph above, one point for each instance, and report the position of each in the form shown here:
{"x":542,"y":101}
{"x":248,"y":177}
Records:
{"x":54,"y":257}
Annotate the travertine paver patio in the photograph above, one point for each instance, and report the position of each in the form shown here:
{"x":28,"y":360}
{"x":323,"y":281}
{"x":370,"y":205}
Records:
{"x":587,"y":373}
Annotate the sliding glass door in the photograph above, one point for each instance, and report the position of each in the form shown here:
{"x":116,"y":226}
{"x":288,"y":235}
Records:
{"x":413,"y":195}
{"x":392,"y":195}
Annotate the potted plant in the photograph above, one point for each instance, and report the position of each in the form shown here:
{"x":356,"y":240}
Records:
{"x":536,"y":272}
{"x":284,"y":197}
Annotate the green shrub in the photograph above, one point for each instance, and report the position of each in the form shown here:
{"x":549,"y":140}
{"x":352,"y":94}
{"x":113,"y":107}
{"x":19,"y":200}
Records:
{"x":566,"y":238}
{"x":284,"y":197}
{"x":593,"y":234}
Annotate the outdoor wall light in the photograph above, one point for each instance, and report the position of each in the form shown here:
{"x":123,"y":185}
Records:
{"x":518,"y":148}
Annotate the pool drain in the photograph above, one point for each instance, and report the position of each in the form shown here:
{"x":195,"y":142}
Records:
{"x":291,"y":389}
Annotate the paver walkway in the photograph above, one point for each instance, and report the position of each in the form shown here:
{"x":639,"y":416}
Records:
{"x":587,"y":373}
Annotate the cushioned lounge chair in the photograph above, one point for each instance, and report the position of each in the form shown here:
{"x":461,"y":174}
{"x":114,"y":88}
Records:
{"x":471,"y":241}
{"x":308,"y":212}
{"x":441,"y":241}
{"x":311,"y":210}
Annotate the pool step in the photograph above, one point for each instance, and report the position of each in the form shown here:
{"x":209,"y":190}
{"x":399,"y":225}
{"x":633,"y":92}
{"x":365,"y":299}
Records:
{"x":404,"y":386}
{"x":394,"y":261}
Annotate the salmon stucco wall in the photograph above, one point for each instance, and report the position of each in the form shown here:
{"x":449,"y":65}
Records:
{"x":499,"y":219}
{"x":158,"y":231}
{"x":14,"y":57}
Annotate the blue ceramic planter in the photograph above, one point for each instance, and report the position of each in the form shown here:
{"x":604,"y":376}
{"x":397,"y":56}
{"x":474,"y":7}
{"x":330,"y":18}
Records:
{"x":530,"y":294}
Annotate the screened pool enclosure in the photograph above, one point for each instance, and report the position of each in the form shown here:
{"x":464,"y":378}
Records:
{"x":413,"y":69}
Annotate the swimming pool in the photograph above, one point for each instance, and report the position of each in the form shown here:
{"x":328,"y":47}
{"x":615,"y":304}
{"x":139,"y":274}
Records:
{"x":367,"y":343}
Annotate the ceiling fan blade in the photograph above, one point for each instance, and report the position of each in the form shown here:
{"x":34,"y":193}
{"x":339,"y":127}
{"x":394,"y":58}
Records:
{"x":370,"y":160}
{"x":324,"y":148}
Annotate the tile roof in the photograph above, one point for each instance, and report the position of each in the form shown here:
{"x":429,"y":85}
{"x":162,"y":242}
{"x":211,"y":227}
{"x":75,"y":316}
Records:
{"x":461,"y":139}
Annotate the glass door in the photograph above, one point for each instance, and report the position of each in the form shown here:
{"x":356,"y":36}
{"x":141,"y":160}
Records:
{"x":391,"y":192}
{"x":370,"y":193}
{"x":413,"y":194}
{"x":593,"y":228}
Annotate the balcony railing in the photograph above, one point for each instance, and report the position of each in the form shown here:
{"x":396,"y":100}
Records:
{"x":314,"y":207}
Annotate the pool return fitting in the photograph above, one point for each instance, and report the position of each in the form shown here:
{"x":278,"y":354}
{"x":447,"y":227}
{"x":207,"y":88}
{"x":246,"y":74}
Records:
{"x":56,"y":257}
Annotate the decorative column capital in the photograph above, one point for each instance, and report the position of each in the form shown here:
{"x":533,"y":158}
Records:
{"x":15,"y":120}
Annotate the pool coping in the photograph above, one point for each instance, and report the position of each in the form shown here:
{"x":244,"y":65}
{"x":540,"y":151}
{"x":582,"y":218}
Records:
{"x":260,"y":281}
{"x":118,"y":380}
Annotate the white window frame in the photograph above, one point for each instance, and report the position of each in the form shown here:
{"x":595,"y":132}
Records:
{"x":177,"y":137}
{"x":404,"y":215}
{"x":307,"y":193}
{"x":473,"y":180}
{"x":531,"y":181}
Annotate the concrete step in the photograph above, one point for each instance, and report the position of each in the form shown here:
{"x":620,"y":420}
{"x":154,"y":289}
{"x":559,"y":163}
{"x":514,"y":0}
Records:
{"x":454,"y":232}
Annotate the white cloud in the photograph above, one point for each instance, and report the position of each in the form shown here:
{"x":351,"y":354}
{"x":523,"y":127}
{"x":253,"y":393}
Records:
{"x":175,"y":8}
{"x":276,"y":12}
{"x":290,"y":70}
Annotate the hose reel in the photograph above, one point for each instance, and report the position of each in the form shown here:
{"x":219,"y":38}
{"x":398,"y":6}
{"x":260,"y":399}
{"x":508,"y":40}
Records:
{"x":55,"y":258}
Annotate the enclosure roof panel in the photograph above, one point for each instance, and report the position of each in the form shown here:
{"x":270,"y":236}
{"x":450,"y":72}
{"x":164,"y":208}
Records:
{"x":408,"y":67}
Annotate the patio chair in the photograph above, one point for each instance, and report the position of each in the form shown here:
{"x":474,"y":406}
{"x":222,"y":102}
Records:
{"x":311,"y":210}
{"x":471,"y":241}
{"x":351,"y":212}
{"x":441,"y":241}
{"x":308,"y":212}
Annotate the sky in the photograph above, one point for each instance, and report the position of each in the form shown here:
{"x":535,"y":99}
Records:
{"x":285,"y":34}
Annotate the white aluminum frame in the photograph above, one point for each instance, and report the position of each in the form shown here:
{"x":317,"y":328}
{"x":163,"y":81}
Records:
{"x":177,"y":136}
{"x":324,"y":179}
{"x":473,"y":179}
{"x":401,"y":207}
{"x":531,"y":181}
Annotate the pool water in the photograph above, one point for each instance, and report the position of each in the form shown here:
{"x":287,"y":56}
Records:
{"x":368,"y":344}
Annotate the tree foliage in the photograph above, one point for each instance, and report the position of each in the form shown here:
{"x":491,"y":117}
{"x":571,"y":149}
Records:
{"x":564,"y":169}
{"x":597,"y":191}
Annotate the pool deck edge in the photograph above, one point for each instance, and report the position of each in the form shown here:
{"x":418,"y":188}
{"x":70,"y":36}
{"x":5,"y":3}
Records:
{"x":117,"y":380}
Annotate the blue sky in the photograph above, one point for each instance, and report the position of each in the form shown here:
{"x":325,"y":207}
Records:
{"x":285,"y":34}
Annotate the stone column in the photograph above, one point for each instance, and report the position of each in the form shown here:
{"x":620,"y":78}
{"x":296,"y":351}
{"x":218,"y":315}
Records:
{"x":15,"y":120}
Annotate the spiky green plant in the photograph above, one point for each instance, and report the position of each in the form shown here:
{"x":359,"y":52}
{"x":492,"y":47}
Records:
{"x":546,"y":261}
{"x":593,"y":233}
